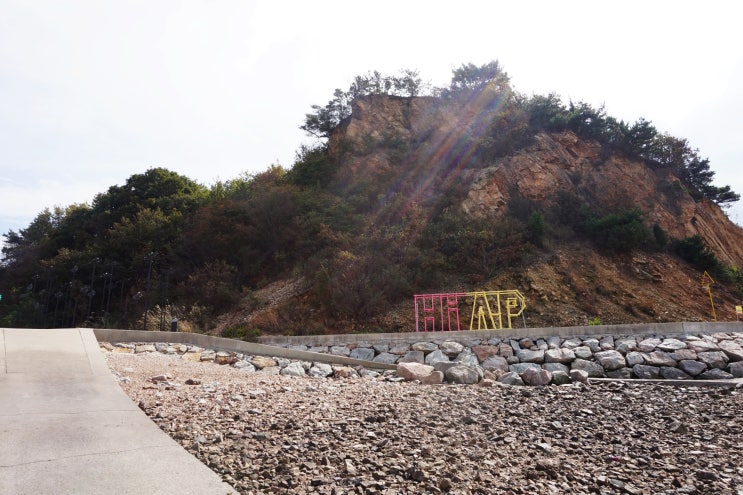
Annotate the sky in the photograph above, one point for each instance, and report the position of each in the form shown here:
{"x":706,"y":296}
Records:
{"x":94,"y":91}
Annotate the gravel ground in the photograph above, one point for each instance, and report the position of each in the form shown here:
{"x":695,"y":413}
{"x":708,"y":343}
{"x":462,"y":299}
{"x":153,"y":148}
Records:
{"x":267,"y":434}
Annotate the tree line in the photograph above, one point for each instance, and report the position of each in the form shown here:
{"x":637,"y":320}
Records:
{"x":162,"y":246}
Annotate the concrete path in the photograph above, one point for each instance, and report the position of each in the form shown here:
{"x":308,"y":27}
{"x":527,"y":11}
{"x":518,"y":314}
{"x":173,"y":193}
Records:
{"x":66,"y":427}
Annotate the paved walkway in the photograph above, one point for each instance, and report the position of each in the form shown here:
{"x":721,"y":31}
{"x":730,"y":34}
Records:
{"x":66,"y":427}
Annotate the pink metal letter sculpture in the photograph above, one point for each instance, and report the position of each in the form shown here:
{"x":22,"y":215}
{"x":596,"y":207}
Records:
{"x":440,"y":312}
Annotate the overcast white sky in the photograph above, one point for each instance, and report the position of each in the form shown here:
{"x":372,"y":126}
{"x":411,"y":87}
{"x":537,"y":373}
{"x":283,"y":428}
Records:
{"x":94,"y":91}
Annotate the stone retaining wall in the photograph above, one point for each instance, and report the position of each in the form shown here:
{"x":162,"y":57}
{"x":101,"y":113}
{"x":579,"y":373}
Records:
{"x":526,"y":360}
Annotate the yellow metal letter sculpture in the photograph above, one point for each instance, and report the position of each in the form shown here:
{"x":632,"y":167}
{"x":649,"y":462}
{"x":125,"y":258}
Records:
{"x":440,"y":312}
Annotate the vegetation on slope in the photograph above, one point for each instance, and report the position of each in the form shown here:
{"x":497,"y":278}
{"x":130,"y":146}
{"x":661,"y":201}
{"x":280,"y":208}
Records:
{"x":162,"y":246}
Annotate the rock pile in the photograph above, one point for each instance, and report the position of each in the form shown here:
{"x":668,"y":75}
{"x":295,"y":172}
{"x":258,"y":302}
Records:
{"x":272,"y":433}
{"x":551,"y":360}
{"x":555,"y":360}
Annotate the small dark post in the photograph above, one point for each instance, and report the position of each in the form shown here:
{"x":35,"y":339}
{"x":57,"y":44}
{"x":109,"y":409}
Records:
{"x":174,"y":324}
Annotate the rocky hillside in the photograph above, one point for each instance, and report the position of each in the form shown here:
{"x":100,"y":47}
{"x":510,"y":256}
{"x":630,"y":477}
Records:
{"x":426,"y":148}
{"x":471,"y":188}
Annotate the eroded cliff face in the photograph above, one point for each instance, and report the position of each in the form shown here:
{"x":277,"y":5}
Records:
{"x":425,"y":138}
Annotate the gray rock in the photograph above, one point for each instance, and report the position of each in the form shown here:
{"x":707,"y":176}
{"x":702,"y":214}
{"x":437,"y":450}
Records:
{"x":648,"y":345}
{"x":521,"y":367}
{"x":625,"y":345}
{"x":691,"y":367}
{"x":365,"y":354}
{"x":572,"y":343}
{"x":243,"y":365}
{"x":736,"y":369}
{"x":607,"y":343}
{"x":529,"y":356}
{"x":542,"y":344}
{"x":634,"y":358}
{"x":702,"y":346}
{"x":412,"y":357}
{"x":593,"y":369}
{"x":387,"y":358}
{"x":435,"y":357}
{"x":514,"y":345}
{"x":340,"y":350}
{"x":583,"y":352}
{"x":511,"y":378}
{"x":621,"y":373}
{"x":732,"y":350}
{"x":280,"y":362}
{"x":673,"y":373}
{"x":139,"y":349}
{"x":512,"y":360}
{"x":579,"y":376}
{"x":658,"y":358}
{"x":467,"y":357}
{"x":322,"y":349}
{"x":400,"y":348}
{"x":554,"y":342}
{"x":442,"y":366}
{"x":271,"y":370}
{"x":554,"y":367}
{"x":451,"y":348}
{"x":208,"y":355}
{"x":320,"y":370}
{"x":463,"y":374}
{"x":715,"y":374}
{"x":559,"y":355}
{"x":671,"y":345}
{"x":494,"y":341}
{"x":561,"y":378}
{"x":426,"y":347}
{"x":294,"y":368}
{"x":713,"y":359}
{"x":610,"y":360}
{"x":592,"y":343}
{"x":532,"y":376}
{"x":495,"y":363}
{"x":645,"y":372}
{"x":380,"y":348}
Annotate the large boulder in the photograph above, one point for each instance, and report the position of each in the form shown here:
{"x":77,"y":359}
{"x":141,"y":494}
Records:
{"x":511,"y":378}
{"x":691,"y":367}
{"x":451,"y":348}
{"x":673,"y":373}
{"x":659,"y":358}
{"x":483,"y":352}
{"x":464,"y":374}
{"x":593,"y":369}
{"x":413,"y":357}
{"x":493,"y":363}
{"x":732,"y":350}
{"x":645,"y":372}
{"x":610,"y":360}
{"x":533,"y":376}
{"x":363,"y":353}
{"x":559,"y":355}
{"x":736,"y":369}
{"x":414,"y":371}
{"x":529,"y":356}
{"x":713,"y":359}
